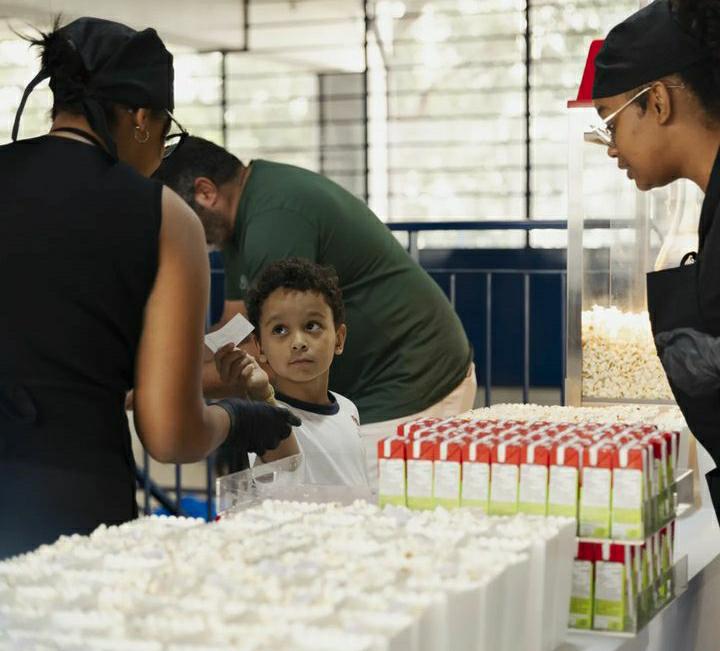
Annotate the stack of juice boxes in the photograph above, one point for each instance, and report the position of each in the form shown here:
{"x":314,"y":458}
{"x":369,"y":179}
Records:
{"x":615,"y":479}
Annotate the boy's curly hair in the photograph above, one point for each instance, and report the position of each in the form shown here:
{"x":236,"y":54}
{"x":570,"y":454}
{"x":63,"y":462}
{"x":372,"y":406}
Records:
{"x":300,"y":275}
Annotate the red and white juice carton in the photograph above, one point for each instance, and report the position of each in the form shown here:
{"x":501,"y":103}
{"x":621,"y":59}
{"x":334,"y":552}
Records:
{"x":629,"y":481}
{"x":411,"y":426}
{"x":391,"y":471}
{"x":476,"y":458}
{"x":505,"y":477}
{"x":448,"y":473}
{"x":534,"y":467}
{"x":595,"y":490}
{"x":420,"y":459}
{"x":583,"y":586}
{"x":614,"y":601}
{"x":564,"y":482}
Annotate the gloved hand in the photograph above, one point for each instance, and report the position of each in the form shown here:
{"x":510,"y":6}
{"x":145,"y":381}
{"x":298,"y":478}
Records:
{"x":257,"y":426}
{"x":691,"y":360}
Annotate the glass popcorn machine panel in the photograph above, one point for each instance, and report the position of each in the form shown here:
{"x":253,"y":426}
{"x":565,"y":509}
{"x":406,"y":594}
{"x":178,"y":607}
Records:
{"x":616,"y":234}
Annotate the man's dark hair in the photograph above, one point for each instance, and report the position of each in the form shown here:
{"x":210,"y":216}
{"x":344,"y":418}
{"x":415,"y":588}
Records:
{"x":195,"y":158}
{"x":300,"y":275}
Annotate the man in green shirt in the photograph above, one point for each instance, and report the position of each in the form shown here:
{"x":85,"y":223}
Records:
{"x":406,"y":352}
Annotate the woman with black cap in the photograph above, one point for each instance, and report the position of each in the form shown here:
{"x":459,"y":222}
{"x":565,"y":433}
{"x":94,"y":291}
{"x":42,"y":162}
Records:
{"x":104,"y":283}
{"x":657,"y":89}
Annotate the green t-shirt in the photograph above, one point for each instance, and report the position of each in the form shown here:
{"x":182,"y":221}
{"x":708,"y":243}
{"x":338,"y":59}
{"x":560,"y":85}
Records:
{"x":406,"y":348}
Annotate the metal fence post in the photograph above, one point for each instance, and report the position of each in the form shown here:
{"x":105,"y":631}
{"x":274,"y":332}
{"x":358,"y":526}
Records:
{"x":488,"y":339}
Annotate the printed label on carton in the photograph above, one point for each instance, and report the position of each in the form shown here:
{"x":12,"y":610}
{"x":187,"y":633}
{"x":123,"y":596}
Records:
{"x":595,"y":503}
{"x":419,"y":484}
{"x":609,"y":607}
{"x":504,"y":489}
{"x":476,"y":485}
{"x":581,"y":600}
{"x":391,"y":481}
{"x":533,"y":489}
{"x":627,"y":504}
{"x":447,"y":484}
{"x":563,"y":491}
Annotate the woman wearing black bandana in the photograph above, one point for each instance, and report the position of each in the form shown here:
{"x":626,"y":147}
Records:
{"x":657,"y":89}
{"x":104,"y":283}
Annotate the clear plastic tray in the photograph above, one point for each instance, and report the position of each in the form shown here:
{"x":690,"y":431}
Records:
{"x":650,"y":602}
{"x":279,"y":480}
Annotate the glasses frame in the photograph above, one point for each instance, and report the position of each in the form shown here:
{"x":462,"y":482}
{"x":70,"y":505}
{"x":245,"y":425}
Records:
{"x":600,"y":134}
{"x":181,"y":136}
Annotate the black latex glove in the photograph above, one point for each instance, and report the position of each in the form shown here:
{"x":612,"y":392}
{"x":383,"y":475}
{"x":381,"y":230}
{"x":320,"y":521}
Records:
{"x":257,"y":426}
{"x":691,"y":360}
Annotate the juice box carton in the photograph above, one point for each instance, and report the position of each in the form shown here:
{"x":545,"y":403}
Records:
{"x":476,"y":456}
{"x":673,"y":443}
{"x":595,"y":490}
{"x":642,"y":564}
{"x":420,"y":459}
{"x":448,"y":473}
{"x":406,"y":429}
{"x":505,"y":477}
{"x":653,"y":559}
{"x":665,"y":554}
{"x":446,"y":427}
{"x":630,"y":467}
{"x":391,"y":471}
{"x":636,"y":555}
{"x":534,"y":465}
{"x":660,"y":472}
{"x":564,"y":482}
{"x":583,"y":587}
{"x":613,"y":607}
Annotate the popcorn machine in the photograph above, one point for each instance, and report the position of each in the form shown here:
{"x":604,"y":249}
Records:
{"x":616,"y":234}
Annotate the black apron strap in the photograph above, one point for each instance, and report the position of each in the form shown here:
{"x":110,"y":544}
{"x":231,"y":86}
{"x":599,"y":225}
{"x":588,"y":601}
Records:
{"x":40,"y":76}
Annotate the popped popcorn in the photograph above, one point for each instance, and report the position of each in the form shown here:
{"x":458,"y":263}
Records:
{"x":619,"y":360}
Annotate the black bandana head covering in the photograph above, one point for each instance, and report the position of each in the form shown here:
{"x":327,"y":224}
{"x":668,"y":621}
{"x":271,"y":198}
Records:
{"x":119,"y":65}
{"x":648,"y":45}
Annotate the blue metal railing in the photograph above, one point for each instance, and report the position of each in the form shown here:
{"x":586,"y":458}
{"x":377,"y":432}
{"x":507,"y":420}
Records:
{"x":486,"y":277}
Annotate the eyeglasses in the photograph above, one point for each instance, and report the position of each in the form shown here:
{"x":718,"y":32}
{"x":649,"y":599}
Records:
{"x":174,"y":140}
{"x":603,"y":133}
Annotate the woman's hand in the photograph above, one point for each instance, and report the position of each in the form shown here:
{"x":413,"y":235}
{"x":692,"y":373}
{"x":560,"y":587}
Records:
{"x":242,"y":371}
{"x":691,"y":360}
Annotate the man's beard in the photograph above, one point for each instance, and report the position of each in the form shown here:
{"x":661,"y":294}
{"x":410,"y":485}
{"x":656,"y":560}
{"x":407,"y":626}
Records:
{"x":216,"y":228}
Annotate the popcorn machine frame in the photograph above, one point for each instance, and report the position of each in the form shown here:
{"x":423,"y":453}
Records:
{"x":616,"y":234}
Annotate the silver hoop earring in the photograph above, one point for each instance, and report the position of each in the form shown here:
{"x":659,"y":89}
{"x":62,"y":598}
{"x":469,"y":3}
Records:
{"x":147,"y":136}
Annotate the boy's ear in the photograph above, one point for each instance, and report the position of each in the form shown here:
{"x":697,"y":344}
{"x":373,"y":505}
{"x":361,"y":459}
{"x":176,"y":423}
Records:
{"x":340,"y":336}
{"x":262,"y":358}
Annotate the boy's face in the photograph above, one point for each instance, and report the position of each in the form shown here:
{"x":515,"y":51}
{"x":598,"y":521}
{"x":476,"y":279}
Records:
{"x":298,"y":336}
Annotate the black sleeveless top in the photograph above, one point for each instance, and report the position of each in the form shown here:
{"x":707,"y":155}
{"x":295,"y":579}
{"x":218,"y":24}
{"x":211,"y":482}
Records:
{"x":79,"y":238}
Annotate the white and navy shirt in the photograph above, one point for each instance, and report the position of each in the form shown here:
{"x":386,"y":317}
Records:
{"x":329,"y":439}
